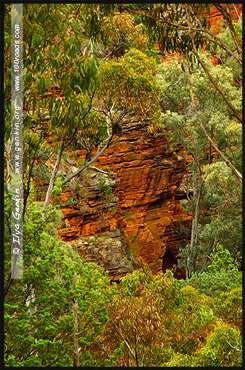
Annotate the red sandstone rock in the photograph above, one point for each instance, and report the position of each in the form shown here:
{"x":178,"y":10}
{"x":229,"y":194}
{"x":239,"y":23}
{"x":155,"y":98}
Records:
{"x":148,"y":206}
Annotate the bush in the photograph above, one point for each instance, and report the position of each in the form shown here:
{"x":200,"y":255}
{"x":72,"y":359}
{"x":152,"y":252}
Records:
{"x":229,"y":307}
{"x":223,"y":348}
{"x":222,"y":274}
{"x":212,"y":284}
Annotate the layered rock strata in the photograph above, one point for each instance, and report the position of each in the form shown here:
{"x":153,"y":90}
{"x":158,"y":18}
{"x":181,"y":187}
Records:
{"x":147,"y":180}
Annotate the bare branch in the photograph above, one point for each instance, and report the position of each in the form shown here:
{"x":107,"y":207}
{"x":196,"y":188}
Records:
{"x":111,"y":52}
{"x":172,"y":84}
{"x":51,"y":182}
{"x":99,"y":170}
{"x":123,"y":338}
{"x":237,"y":349}
{"x":88,"y":163}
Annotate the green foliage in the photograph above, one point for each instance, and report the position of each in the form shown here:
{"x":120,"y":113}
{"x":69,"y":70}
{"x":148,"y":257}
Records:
{"x":229,"y":306}
{"x":218,"y":350}
{"x":216,"y":282}
{"x":223,"y":199}
{"x":226,"y":37}
{"x":213,"y":192}
{"x":104,"y":189}
{"x":44,"y":152}
{"x":168,"y":38}
{"x":57,"y":189}
{"x":71,"y":202}
{"x":173,"y":325}
{"x":221,"y":260}
{"x":181,"y":360}
{"x":129,"y":84}
{"x":121,"y":33}
{"x":87,"y":67}
{"x":40,"y":333}
{"x":221,"y":275}
{"x":161,"y":322}
{"x":50,"y":62}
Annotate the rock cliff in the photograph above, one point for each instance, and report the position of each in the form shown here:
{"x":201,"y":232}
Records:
{"x":142,"y":221}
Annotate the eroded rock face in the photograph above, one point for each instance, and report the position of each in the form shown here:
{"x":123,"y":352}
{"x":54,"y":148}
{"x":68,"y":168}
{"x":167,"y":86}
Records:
{"x":109,"y":250}
{"x":147,"y":181}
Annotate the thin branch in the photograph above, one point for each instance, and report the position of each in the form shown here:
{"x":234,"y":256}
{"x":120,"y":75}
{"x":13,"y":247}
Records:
{"x":172,"y":84}
{"x":120,"y":332}
{"x":88,"y":163}
{"x":208,"y":74}
{"x":212,"y":37}
{"x":111,"y":52}
{"x":99,"y":170}
{"x":225,"y":159}
{"x":214,"y":83}
{"x":234,"y":7}
{"x":227,"y":17}
{"x":81,"y":331}
{"x":237,"y":349}
{"x":44,"y":161}
{"x":56,"y":359}
{"x":72,"y":135}
{"x":51,"y":182}
{"x":209,"y":34}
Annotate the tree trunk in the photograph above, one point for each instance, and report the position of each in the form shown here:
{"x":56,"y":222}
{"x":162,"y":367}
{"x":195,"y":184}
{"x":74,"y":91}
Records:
{"x":54,"y":173}
{"x":32,"y":311}
{"x":194,"y":228}
{"x":75,"y":336}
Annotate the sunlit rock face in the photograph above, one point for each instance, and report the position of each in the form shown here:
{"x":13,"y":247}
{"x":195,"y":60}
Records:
{"x":147,"y":178}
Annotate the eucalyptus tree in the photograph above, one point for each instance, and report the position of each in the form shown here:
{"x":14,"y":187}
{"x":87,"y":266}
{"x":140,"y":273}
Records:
{"x":54,"y":63}
{"x":213,"y":192}
{"x":185,"y":29}
{"x":65,"y":78}
{"x":38,"y":331}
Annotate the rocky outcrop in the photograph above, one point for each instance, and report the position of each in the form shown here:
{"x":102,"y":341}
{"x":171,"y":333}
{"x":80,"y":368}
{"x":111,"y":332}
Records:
{"x":108,"y":250}
{"x":146,"y":176}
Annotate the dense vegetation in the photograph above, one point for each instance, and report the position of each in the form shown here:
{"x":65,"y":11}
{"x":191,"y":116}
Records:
{"x":87,"y":67}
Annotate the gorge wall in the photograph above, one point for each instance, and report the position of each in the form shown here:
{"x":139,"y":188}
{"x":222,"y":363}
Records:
{"x":143,"y":221}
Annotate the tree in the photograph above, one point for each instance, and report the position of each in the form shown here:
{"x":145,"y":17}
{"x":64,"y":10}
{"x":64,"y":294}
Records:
{"x":182,"y":28}
{"x":217,"y":352}
{"x":212,"y":181}
{"x":127,"y":87}
{"x":63,"y":70}
{"x":221,"y":275}
{"x":53,"y":63}
{"x":136,"y":317}
{"x":156,"y":318}
{"x":223,"y":348}
{"x":88,"y":69}
{"x":39,"y":332}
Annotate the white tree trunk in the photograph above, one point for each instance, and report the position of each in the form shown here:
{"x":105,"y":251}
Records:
{"x":53,"y":176}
